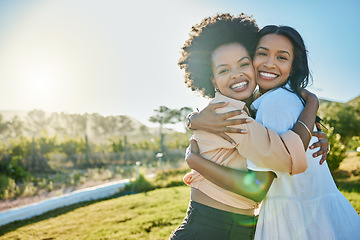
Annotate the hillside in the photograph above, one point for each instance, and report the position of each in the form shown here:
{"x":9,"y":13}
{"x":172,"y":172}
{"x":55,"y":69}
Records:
{"x":139,"y":130}
{"x":357,"y":99}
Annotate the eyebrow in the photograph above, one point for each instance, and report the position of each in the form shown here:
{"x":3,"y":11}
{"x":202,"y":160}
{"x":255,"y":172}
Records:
{"x":281,"y":51}
{"x":221,"y":65}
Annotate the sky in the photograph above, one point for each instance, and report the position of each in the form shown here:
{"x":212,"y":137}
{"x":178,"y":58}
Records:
{"x":120,"y":57}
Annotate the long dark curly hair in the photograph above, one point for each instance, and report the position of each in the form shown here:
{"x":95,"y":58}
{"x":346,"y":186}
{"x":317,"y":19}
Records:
{"x":208,"y":35}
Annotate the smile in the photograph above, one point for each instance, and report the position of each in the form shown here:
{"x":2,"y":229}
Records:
{"x":239,"y":85}
{"x":268,"y":75}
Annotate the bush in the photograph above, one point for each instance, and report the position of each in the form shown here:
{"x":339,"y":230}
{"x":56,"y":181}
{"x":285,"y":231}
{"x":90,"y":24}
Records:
{"x":29,"y":190}
{"x":8,"y":188}
{"x":337,"y":152}
{"x":139,"y":185}
{"x":354,"y":143}
{"x":16,"y":170}
{"x":171,"y":178}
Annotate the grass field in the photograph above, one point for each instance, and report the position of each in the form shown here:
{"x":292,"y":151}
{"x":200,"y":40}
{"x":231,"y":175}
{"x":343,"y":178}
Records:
{"x":150,"y":215}
{"x":347,"y":179}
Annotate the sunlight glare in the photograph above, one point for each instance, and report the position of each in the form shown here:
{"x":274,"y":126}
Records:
{"x":40,"y":85}
{"x":42,"y":80}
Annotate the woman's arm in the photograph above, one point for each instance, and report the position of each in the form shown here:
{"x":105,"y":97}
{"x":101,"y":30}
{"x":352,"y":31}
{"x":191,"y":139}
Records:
{"x":217,"y":123}
{"x":263,"y":146}
{"x":250,"y":184}
{"x":305,"y":124}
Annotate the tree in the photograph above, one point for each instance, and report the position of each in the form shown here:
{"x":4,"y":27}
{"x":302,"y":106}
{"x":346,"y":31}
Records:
{"x":58,"y":123}
{"x":342,"y":121}
{"x":15,"y":127}
{"x":338,"y":149}
{"x":79,"y":123}
{"x":71,"y":147}
{"x":144,"y":130}
{"x":3,"y":125}
{"x":164,"y":115}
{"x":343,"y":117}
{"x":47,"y":145}
{"x":125,"y":125}
{"x":37,"y":122}
{"x":104,"y":127}
{"x":36,"y":125}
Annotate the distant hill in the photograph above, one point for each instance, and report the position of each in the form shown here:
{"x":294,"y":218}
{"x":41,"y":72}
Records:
{"x":8,"y":115}
{"x":321,"y":101}
{"x":357,"y":99}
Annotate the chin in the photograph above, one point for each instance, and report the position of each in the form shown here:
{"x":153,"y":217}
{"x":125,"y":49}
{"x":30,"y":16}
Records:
{"x":241,"y":97}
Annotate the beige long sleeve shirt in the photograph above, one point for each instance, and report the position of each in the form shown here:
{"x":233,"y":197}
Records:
{"x":262,"y":146}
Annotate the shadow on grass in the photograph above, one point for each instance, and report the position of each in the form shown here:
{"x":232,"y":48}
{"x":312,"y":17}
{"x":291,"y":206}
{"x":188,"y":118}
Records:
{"x":53,"y":213}
{"x":349,"y":186}
{"x":346,"y":182}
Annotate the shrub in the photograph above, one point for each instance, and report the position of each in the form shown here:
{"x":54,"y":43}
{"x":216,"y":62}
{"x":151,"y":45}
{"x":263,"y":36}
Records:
{"x":139,"y":185}
{"x":12,"y":168}
{"x":337,"y":152}
{"x":8,"y":188}
{"x":29,"y":190}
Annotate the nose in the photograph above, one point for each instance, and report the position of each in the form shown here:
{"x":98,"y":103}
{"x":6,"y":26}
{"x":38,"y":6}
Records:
{"x":269,"y":63}
{"x":236,"y":75}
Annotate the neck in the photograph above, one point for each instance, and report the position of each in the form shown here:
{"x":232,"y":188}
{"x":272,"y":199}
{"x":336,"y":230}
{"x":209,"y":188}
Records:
{"x":262,"y":91}
{"x":248,"y":101}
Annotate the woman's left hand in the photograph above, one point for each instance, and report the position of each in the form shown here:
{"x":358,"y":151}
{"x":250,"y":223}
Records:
{"x":323,"y":144}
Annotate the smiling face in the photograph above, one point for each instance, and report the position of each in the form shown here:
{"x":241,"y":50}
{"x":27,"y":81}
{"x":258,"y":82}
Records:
{"x":273,"y":61}
{"x":233,"y":71}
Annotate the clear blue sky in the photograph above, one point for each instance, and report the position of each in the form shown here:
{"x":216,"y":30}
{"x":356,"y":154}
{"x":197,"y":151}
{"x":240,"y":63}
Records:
{"x":120,"y":57}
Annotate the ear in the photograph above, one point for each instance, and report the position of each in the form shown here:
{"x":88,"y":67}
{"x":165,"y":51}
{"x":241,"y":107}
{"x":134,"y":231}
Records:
{"x":214,"y":83}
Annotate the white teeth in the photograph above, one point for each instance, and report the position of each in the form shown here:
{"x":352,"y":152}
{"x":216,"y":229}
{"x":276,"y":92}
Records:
{"x":239,"y":85}
{"x":270,"y":75}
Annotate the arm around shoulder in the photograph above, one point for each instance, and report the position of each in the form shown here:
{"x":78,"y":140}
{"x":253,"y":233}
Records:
{"x":305,"y":123}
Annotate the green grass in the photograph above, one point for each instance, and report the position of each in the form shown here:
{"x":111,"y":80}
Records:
{"x":347,"y":182}
{"x":150,"y":215}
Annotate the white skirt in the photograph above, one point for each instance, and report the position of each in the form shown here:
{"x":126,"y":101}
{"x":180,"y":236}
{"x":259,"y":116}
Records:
{"x":307,"y":206}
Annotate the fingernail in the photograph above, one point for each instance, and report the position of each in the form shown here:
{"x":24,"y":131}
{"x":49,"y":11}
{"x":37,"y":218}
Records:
{"x":311,"y":147}
{"x":249,"y":120}
{"x":234,"y":144}
{"x":243,"y":131}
